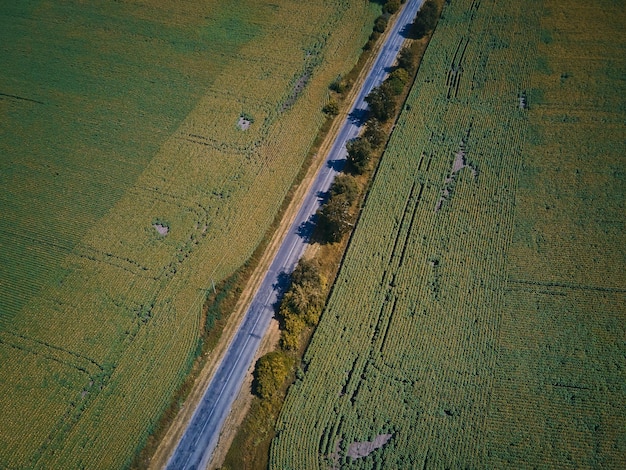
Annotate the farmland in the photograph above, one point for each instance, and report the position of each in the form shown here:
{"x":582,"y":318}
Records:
{"x":478,"y":318}
{"x":129,"y":188}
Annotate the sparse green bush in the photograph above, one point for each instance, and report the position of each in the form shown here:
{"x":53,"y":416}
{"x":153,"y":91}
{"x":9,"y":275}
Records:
{"x":331,"y":108}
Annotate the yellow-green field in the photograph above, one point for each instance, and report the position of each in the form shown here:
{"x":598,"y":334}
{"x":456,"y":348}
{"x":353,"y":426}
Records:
{"x":479,"y":319}
{"x":113,"y":118}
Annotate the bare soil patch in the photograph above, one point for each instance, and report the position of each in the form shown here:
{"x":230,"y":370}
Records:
{"x":243,"y":123}
{"x":162,"y":229}
{"x":365,"y":448}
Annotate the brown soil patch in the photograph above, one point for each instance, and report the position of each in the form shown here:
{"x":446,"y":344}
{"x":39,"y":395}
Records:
{"x":162,"y":229}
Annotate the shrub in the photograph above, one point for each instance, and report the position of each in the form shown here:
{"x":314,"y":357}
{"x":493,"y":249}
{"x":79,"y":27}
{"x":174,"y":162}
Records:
{"x":270,"y":372}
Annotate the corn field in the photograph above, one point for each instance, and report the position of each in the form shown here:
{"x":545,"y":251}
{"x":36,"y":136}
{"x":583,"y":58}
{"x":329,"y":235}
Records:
{"x":124,"y":119}
{"x":478,"y":318}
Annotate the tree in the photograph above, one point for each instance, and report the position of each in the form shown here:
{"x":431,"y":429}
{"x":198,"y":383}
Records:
{"x":302,"y":304}
{"x":406,"y":59}
{"x":381,"y":103}
{"x":307,"y":272}
{"x":270,"y":371}
{"x":374,"y":132}
{"x":426,"y":19}
{"x":397,"y":80}
{"x":304,"y":301}
{"x":359,"y":153}
{"x":345,"y":184}
{"x":290,"y":336}
{"x":334,"y":219}
{"x":380,"y":24}
{"x":391,"y":6}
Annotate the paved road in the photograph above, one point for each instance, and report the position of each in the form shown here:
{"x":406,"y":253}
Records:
{"x":200,"y":438}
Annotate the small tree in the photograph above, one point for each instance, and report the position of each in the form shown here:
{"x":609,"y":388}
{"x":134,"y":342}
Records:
{"x":345,"y":184}
{"x":426,"y":19}
{"x":391,"y":6}
{"x":305,"y":302}
{"x":406,"y":59}
{"x":290,"y":336}
{"x":381,"y":102}
{"x":374,"y":132}
{"x":359,"y":154}
{"x":270,"y":372}
{"x":334,"y":219}
{"x":397,"y":81}
{"x":380,"y":24}
{"x":307,"y":272}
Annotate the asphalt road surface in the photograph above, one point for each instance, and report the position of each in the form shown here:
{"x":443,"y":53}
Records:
{"x":200,"y":438}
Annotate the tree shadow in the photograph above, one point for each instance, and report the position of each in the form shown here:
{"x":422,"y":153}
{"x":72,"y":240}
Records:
{"x":323,"y":196}
{"x":336,"y":164}
{"x":408,"y":32}
{"x":306,"y":229}
{"x":281,"y":286}
{"x":358,"y":117}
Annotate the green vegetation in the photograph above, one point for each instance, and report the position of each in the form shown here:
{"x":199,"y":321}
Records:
{"x":478,"y":317}
{"x":270,"y":372}
{"x":299,"y":312}
{"x":334,"y":219}
{"x":116,"y":119}
{"x":302,"y":304}
{"x":331,"y":108}
{"x":345,"y":185}
{"x":381,"y":103}
{"x":426,"y":19}
{"x":375,"y":133}
{"x":359,"y":154}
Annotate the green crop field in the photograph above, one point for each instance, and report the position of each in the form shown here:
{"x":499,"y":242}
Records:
{"x":130,"y":184}
{"x":479,"y":319}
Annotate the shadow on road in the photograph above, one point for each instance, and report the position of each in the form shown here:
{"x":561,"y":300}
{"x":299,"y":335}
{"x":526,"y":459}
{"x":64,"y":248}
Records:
{"x":408,"y":32}
{"x":283,"y":281}
{"x":336,"y":164}
{"x":306,"y":229}
{"x":358,"y":117}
